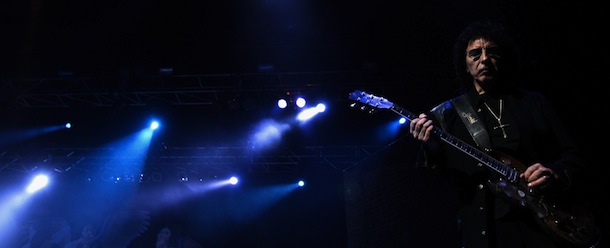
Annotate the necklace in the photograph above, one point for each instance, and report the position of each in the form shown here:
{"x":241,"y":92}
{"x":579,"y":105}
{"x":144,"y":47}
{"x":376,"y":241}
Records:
{"x":498,"y":118}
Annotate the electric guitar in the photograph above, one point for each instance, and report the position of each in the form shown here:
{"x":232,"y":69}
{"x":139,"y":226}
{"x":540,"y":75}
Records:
{"x":567,"y":224}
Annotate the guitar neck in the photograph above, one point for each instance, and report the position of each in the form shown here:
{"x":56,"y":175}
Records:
{"x":496,"y":165}
{"x":564,"y":226}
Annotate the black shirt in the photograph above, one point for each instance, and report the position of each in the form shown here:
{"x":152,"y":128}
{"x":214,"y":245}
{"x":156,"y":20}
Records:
{"x":527,"y":130}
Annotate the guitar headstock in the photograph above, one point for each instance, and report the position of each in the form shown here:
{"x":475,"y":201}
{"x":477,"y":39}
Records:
{"x":371,"y":100}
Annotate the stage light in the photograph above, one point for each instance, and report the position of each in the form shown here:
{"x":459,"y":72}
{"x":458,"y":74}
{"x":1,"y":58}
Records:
{"x":292,"y":99}
{"x":309,"y":113}
{"x":233,"y":180}
{"x":301,"y":183}
{"x":154,"y":125}
{"x":68,"y":125}
{"x":182,"y":177}
{"x":282,"y":103}
{"x":321,"y":107}
{"x":300,"y":102}
{"x":38,"y":182}
{"x":402,"y":120}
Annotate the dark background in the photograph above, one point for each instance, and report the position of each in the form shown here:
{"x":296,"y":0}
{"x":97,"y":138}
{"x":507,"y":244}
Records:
{"x":59,"y":58}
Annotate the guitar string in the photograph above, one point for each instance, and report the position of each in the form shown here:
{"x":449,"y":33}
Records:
{"x":581,"y":229}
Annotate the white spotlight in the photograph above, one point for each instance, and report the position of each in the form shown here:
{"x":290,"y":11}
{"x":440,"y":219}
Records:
{"x":301,"y":183}
{"x":154,"y":125}
{"x":282,"y":103}
{"x":310,"y":112}
{"x":321,"y":107}
{"x":38,"y":182}
{"x":68,"y":125}
{"x":301,"y":102}
{"x":233,"y":180}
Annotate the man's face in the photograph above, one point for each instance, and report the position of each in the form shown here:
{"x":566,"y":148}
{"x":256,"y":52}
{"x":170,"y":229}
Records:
{"x":482,"y":60}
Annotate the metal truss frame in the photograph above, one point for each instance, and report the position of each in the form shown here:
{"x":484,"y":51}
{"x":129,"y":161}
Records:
{"x":185,"y":90}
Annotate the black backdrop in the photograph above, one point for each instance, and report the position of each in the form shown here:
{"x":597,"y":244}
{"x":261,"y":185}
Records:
{"x":129,"y":40}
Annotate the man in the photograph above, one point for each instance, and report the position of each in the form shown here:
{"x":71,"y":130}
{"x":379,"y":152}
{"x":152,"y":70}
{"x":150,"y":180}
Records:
{"x":520,"y":130}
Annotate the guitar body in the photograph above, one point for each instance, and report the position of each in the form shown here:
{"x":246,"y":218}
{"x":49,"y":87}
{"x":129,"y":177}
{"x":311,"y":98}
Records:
{"x":566,"y":222}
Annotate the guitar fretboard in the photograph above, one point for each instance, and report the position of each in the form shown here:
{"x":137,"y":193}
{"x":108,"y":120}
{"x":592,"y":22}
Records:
{"x":496,"y":165}
{"x":562,"y":225}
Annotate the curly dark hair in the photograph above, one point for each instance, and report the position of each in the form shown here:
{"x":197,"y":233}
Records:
{"x":495,"y":32}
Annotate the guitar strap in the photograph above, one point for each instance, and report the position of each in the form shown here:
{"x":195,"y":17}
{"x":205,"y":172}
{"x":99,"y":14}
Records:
{"x":472,"y":121}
